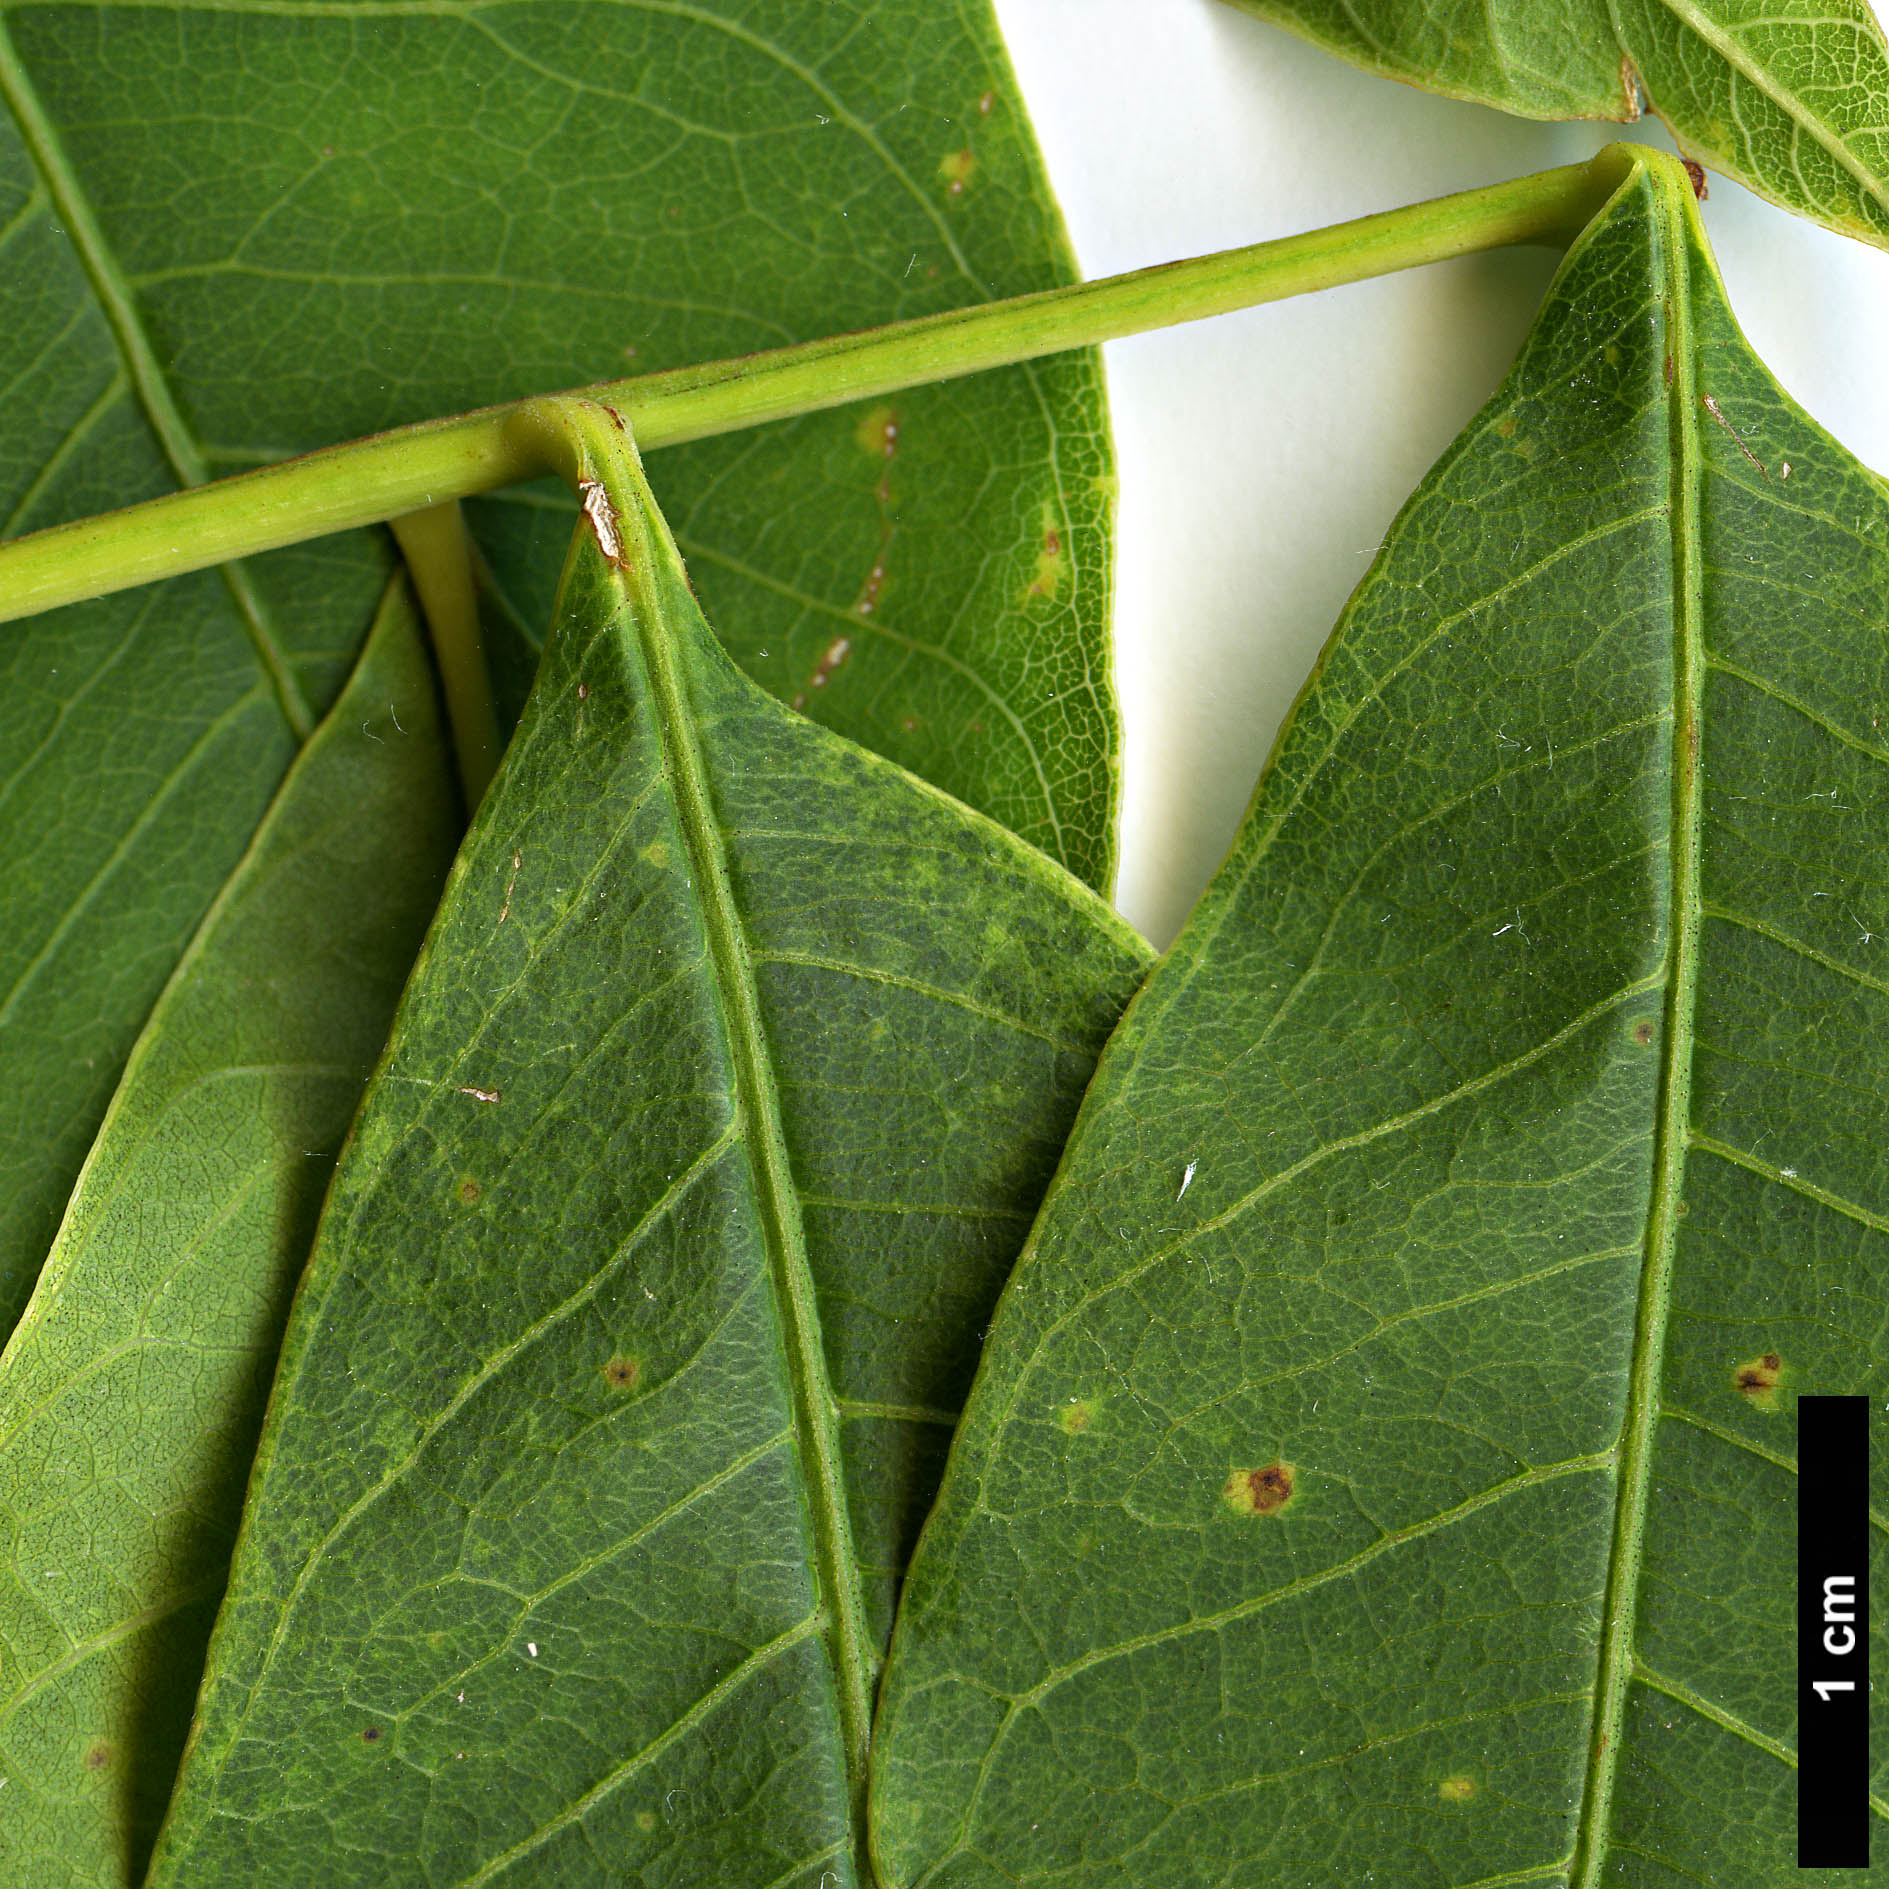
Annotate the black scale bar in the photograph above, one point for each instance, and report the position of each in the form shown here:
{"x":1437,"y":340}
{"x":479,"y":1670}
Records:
{"x":1833,"y":1814}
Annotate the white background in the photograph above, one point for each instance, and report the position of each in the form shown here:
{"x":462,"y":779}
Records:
{"x":1263,"y":455}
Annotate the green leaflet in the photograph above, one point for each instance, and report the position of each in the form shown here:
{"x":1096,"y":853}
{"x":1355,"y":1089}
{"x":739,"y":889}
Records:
{"x":132,"y":1389}
{"x":1792,"y":101}
{"x":1381,"y":1466}
{"x":718,"y":1104}
{"x":230,"y":233}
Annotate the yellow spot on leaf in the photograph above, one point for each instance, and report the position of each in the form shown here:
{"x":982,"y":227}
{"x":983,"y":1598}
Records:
{"x":1458,"y":1789}
{"x":877,"y":432}
{"x":1047,"y":579}
{"x":957,"y":168}
{"x":1076,"y":1415}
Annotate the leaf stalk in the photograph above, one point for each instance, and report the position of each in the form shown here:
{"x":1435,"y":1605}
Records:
{"x":434,"y":462}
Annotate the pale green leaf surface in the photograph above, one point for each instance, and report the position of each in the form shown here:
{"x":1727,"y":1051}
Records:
{"x":720,"y":1100}
{"x":1518,"y":1088}
{"x":337,"y":218}
{"x":1792,"y":100}
{"x":132,"y":1389}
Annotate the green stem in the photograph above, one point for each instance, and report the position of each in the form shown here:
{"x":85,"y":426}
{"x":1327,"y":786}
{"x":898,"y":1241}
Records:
{"x":439,"y":560}
{"x":370,"y":480}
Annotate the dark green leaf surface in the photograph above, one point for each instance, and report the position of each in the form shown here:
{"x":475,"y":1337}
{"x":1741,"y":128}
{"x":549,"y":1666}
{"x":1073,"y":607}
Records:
{"x":1793,"y":101}
{"x":1382,"y":1465}
{"x":331,"y":219}
{"x":132,"y":1389}
{"x":719,"y":1103}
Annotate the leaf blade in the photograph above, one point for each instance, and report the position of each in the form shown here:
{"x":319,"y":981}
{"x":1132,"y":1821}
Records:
{"x":524,"y":198}
{"x":1413,"y":1426}
{"x":141,"y":737}
{"x":132,"y":1388}
{"x":1794,"y":105}
{"x":540,"y":1398}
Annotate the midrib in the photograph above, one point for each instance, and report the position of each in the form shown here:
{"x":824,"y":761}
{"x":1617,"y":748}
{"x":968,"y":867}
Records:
{"x":1669,"y":1159}
{"x":816,"y":1410}
{"x":140,"y":358}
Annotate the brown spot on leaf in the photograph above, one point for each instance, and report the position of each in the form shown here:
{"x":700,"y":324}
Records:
{"x":371,"y":1736}
{"x":835,"y":654}
{"x":505,"y":910}
{"x":622,"y":1374}
{"x":1757,"y":1380}
{"x":1506,"y":426}
{"x":98,"y":1754}
{"x":602,"y":518}
{"x":1643,"y":1032}
{"x":1695,"y":174}
{"x":1632,"y":89}
{"x":468,"y":1189}
{"x":1262,"y":1491}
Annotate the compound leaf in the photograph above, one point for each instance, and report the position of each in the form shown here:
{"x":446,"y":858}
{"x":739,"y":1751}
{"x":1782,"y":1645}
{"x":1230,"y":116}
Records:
{"x":1381,"y":1468}
{"x":1792,"y":101}
{"x":132,"y":1389}
{"x":720,"y":1100}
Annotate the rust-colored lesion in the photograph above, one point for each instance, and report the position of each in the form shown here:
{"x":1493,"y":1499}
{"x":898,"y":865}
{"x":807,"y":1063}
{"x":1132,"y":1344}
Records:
{"x":1262,"y":1491}
{"x":1758,"y":1380}
{"x":623,"y":1373}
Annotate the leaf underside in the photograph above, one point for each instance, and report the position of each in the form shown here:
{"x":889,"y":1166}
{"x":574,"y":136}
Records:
{"x":646,"y":1294}
{"x":1791,"y":101}
{"x":132,"y":1390}
{"x":232,"y":233}
{"x":1382,"y":1464}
